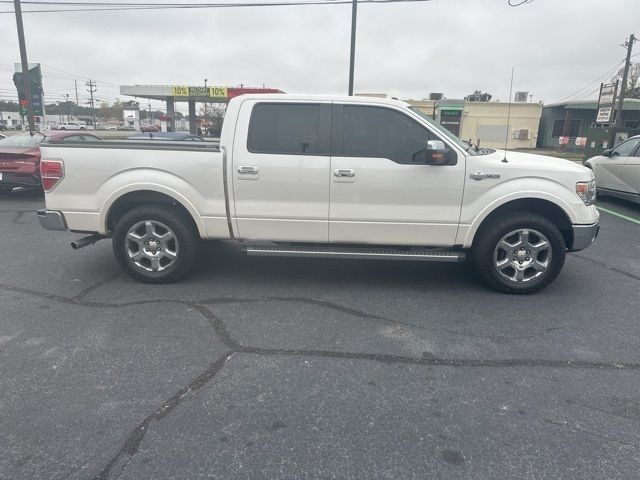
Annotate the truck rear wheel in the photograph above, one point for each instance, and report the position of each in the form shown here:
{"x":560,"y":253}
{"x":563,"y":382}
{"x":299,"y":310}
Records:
{"x":155,"y":244}
{"x":519,"y":253}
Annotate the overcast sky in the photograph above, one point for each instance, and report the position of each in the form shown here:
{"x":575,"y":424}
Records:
{"x":406,"y":50}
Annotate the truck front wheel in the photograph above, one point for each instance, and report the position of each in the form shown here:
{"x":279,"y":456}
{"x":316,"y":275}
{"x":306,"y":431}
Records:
{"x":155,"y":244}
{"x":519,"y":252}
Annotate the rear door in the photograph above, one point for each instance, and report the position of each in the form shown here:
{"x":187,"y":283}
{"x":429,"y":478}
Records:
{"x":281,"y":170}
{"x":382,"y":192}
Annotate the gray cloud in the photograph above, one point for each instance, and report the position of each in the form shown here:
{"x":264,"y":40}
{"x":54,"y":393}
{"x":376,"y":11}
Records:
{"x":406,"y":50}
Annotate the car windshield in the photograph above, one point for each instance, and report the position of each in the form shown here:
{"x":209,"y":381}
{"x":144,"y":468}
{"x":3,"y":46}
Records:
{"x":444,"y":132}
{"x":24,"y":140}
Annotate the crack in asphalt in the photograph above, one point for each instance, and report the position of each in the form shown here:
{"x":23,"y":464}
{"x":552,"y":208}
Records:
{"x":80,"y":296}
{"x":607,"y":266}
{"x":133,"y":441}
{"x":130,"y":446}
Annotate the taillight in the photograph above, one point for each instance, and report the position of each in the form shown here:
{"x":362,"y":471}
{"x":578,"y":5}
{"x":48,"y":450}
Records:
{"x":51,"y":172}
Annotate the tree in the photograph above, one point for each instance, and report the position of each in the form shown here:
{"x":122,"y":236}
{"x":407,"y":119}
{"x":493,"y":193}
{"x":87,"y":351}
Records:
{"x":478,"y":96}
{"x":9,"y":106}
{"x":214,"y":116}
{"x":633,"y":80}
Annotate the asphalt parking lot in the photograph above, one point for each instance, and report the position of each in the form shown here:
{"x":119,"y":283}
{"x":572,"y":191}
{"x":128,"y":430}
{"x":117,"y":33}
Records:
{"x":301,"y":368}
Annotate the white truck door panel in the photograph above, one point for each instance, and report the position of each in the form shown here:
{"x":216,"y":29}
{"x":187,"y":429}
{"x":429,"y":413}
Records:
{"x":281,"y":171}
{"x":391,"y":198}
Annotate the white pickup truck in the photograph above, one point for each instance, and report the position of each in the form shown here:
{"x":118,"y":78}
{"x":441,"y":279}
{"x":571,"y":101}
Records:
{"x":341,"y":177}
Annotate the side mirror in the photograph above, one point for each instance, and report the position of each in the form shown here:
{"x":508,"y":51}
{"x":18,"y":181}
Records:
{"x":606,"y":153}
{"x":436,"y":153}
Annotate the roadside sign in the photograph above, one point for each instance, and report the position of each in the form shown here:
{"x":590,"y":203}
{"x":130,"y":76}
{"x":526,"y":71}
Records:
{"x":180,"y":90}
{"x":604,"y":114}
{"x":606,"y":100}
{"x":218,"y":92}
{"x":607,"y":94}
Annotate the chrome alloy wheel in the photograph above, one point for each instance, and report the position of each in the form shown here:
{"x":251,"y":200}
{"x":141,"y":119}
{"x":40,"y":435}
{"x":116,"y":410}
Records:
{"x":522,"y":255}
{"x":152,"y":246}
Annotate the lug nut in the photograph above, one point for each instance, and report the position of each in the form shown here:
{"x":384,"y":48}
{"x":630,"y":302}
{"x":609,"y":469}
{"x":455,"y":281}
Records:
{"x":527,"y":259}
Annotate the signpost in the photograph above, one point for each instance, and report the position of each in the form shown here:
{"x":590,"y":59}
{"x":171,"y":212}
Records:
{"x":606,"y":101}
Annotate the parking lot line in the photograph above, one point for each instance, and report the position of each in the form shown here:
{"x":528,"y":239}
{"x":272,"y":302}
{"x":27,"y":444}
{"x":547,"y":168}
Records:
{"x":618,"y":214}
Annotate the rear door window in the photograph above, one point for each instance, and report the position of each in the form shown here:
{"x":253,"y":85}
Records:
{"x":284,"y":128}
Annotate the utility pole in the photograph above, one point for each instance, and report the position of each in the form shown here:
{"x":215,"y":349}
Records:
{"x":625,"y":75}
{"x":66,"y":95}
{"x":149,"y":113}
{"x":92,"y":89}
{"x":25,"y":65}
{"x":205,"y":108}
{"x":352,"y":56}
{"x":77,"y":104}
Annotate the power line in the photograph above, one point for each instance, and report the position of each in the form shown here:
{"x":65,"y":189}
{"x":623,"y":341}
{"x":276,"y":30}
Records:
{"x":600,"y":78}
{"x":137,"y":6}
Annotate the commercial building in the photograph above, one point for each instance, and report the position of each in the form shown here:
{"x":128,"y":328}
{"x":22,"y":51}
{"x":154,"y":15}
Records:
{"x":486,"y":122}
{"x":571,"y":120}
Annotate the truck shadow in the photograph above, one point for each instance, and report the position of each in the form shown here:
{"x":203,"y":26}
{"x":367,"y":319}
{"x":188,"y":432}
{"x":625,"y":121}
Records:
{"x":225,"y":260}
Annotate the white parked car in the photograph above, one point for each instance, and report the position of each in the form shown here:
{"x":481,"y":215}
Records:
{"x":335,"y":177}
{"x":72,"y":126}
{"x":617,"y":170}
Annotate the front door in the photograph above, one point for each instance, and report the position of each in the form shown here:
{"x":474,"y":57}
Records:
{"x":610,"y":171}
{"x":281,"y":171}
{"x":382,"y":192}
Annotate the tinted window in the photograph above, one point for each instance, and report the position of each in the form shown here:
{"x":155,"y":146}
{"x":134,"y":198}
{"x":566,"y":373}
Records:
{"x":626,"y":149}
{"x":572,"y":128}
{"x":22,"y":140}
{"x":72,"y":138}
{"x":285,"y":128}
{"x":383,"y":133}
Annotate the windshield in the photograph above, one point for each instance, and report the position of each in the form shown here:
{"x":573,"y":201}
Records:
{"x":444,"y":132}
{"x":24,"y":140}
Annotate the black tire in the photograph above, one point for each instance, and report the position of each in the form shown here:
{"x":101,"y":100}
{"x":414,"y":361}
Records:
{"x":186,"y":247}
{"x":486,"y":243}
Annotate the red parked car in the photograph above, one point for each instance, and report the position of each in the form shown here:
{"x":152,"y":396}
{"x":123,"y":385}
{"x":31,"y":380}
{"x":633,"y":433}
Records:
{"x":20,"y":156}
{"x":150,"y":128}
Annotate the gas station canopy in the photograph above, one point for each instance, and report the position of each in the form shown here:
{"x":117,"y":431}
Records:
{"x":186,"y":93}
{"x":190,"y":94}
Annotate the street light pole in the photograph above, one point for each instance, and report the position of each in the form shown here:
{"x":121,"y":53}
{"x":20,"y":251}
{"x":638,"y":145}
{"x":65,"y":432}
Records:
{"x":352,"y":56}
{"x":25,"y":65}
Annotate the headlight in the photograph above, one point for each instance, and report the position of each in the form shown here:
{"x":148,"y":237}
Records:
{"x":587,"y":192}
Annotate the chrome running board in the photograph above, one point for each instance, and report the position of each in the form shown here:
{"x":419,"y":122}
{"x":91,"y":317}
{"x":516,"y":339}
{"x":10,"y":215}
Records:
{"x":371,"y":253}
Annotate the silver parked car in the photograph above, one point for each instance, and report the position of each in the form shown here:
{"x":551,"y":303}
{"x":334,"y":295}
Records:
{"x":617,"y":170}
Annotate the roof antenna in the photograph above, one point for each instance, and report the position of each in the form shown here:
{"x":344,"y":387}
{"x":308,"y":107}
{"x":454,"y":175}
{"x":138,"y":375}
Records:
{"x":506,"y":139}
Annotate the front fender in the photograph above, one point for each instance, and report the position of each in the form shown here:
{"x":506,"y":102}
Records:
{"x":478,"y":208}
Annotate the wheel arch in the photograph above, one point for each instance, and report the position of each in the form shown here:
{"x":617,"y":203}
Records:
{"x":546,"y":208}
{"x":123,"y":201}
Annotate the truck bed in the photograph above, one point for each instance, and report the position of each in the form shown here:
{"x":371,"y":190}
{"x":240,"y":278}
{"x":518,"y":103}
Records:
{"x":98,"y":173}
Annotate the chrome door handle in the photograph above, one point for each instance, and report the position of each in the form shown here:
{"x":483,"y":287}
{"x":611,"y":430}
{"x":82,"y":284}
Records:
{"x":344,"y":172}
{"x":482,"y":175}
{"x":247,"y":170}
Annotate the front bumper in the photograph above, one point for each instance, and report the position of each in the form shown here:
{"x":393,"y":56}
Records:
{"x":583,"y":236}
{"x":51,"y":220}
